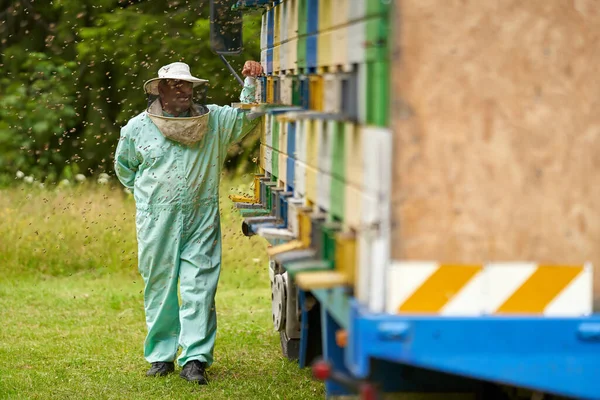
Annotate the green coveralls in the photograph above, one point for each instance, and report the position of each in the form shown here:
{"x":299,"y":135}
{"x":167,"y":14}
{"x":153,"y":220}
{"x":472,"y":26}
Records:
{"x":176,"y":191}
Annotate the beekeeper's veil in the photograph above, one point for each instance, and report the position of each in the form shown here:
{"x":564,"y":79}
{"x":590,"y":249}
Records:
{"x":185,"y":130}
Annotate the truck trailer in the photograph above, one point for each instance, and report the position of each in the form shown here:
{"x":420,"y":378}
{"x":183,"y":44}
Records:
{"x":429,"y":187}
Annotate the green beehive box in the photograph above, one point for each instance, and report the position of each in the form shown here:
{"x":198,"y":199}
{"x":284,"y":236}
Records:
{"x":254,"y":212}
{"x":302,"y":17}
{"x":338,"y":171}
{"x":296,"y":100}
{"x":268,"y":188}
{"x":329,"y":231}
{"x":301,"y":59}
{"x":377,"y":39}
{"x":275,"y":157}
{"x":295,"y":267}
{"x":378,"y":80}
{"x":378,"y":7}
{"x":302,"y":26}
{"x":338,"y":188}
{"x":338,"y":161}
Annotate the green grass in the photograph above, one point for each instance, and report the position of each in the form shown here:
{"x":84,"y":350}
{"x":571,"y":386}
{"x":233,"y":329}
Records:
{"x":71,"y":306}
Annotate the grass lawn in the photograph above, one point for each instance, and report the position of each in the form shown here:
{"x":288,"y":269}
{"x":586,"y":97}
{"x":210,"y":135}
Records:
{"x":71,"y":306}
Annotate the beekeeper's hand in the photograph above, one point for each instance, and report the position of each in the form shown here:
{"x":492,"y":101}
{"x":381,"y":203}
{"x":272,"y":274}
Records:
{"x":252,"y":68}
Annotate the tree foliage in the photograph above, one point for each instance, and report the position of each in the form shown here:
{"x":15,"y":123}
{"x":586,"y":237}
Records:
{"x":73,"y":71}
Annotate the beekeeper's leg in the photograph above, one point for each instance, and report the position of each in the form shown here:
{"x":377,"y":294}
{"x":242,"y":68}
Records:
{"x":158,"y":234}
{"x":199,"y":275}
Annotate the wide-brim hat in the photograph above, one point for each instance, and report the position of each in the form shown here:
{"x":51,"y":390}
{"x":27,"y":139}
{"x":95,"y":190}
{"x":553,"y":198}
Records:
{"x":176,"y":70}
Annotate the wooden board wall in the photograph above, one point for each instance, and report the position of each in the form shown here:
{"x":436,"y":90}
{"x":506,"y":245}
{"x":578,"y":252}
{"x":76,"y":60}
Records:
{"x":496,"y":121}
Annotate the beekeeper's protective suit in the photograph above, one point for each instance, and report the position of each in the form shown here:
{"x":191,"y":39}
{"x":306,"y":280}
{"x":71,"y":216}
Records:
{"x":172,"y":166}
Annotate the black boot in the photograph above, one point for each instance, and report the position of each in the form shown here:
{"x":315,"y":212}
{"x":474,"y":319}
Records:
{"x":193,"y":371}
{"x":161,"y":369}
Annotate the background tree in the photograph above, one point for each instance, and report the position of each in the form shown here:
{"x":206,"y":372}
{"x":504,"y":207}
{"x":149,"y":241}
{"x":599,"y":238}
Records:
{"x":73,"y":70}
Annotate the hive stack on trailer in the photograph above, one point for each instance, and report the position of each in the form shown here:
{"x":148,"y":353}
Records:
{"x":331,"y":60}
{"x":430,"y":175}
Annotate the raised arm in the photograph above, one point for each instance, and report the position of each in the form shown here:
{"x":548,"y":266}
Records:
{"x":235,"y":123}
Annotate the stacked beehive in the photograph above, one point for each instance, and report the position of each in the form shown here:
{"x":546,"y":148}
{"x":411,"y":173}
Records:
{"x":328,"y":56}
{"x":329,"y":161}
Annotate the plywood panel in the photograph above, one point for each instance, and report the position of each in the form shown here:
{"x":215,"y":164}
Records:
{"x":496,"y":116}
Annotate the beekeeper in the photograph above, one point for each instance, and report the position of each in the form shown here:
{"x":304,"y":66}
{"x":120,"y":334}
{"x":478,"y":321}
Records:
{"x":170,"y":156}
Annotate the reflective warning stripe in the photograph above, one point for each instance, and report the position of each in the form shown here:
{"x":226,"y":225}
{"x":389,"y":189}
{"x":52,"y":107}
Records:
{"x":543,"y":286}
{"x":494,"y":288}
{"x":439,"y":288}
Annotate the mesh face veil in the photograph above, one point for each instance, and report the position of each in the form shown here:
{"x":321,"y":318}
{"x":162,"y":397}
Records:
{"x":185,"y":130}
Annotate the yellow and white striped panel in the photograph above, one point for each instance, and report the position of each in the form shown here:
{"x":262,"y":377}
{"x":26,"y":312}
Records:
{"x":494,"y":288}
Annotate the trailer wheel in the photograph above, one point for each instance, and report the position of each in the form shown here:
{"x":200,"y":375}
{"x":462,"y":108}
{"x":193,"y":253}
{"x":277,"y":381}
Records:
{"x":289,"y":347}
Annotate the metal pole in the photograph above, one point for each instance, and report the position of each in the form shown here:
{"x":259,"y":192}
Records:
{"x":232,"y":70}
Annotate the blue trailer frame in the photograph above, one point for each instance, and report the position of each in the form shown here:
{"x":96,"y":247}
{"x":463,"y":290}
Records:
{"x":554,"y":356}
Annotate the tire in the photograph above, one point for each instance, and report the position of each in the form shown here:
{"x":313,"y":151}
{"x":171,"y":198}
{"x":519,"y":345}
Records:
{"x":290,"y":348}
